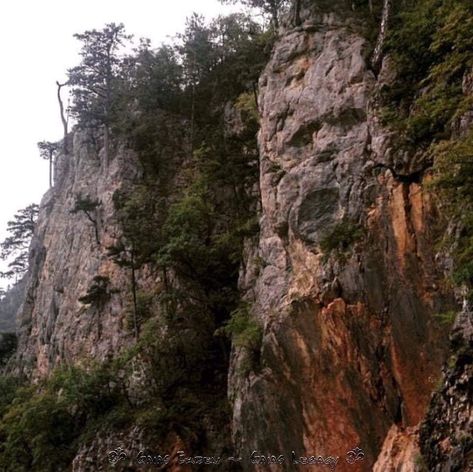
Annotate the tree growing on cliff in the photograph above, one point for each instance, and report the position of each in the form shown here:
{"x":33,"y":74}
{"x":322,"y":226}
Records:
{"x":89,"y":207}
{"x":198,"y":58}
{"x":272,"y":8}
{"x":15,"y":247}
{"x":139,"y":239}
{"x":47,"y":151}
{"x":96,"y":79}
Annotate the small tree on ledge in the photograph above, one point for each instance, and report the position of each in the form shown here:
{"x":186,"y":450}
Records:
{"x":89,"y":208}
{"x":47,"y":151}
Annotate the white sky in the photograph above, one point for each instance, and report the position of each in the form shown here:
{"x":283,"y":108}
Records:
{"x":36,"y":49}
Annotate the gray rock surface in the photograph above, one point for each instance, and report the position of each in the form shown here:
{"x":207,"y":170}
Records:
{"x":342,"y":326}
{"x":54,"y":326}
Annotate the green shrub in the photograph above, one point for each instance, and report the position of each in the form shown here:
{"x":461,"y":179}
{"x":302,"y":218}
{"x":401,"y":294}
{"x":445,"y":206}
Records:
{"x":8,"y":344}
{"x":246,"y":334}
{"x":42,"y":425}
{"x":432,"y":47}
{"x":9,"y":386}
{"x":246,"y":103}
{"x":243,"y":329}
{"x":98,"y":292}
{"x":85,"y":204}
{"x":447,"y":317}
{"x":453,"y":183}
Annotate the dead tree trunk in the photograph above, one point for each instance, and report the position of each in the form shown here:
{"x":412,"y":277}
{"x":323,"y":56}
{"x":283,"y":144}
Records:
{"x":63,"y":118}
{"x":383,"y":31}
{"x":274,"y":15}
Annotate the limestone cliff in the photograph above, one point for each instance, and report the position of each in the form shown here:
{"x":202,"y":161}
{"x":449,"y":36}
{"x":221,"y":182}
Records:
{"x":351,"y":351}
{"x":55,"y":327}
{"x":343,"y":278}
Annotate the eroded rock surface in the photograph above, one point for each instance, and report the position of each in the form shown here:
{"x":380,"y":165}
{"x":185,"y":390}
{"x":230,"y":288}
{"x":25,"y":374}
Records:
{"x":65,"y":257}
{"x":342,"y":278}
{"x":351,"y":350}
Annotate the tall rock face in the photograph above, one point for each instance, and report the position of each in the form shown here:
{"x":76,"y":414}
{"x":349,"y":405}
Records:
{"x":446,"y":435}
{"x":67,"y":253}
{"x":78,"y":309}
{"x":343,"y":278}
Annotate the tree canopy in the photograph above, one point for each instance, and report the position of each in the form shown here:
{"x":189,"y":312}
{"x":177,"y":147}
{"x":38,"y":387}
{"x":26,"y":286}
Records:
{"x":272,"y":8}
{"x":96,"y":78}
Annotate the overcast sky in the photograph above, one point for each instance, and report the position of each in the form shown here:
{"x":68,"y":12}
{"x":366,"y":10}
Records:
{"x":36,"y":49}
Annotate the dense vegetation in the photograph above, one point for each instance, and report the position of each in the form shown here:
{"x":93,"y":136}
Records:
{"x":430,"y":107}
{"x":432,"y":47}
{"x":189,"y":111}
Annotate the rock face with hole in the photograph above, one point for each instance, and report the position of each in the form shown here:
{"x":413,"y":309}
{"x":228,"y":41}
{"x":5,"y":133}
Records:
{"x":351,"y":351}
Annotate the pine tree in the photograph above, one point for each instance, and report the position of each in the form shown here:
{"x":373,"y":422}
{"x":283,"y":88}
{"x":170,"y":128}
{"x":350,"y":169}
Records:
{"x":47,"y":150}
{"x":95,"y":81}
{"x":15,"y":247}
{"x":273,"y":8}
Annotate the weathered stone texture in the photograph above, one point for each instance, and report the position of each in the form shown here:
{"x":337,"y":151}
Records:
{"x":351,"y":350}
{"x":55,"y":326}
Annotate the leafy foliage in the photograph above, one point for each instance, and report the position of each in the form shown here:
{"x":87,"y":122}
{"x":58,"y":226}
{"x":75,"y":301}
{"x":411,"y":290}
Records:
{"x":432,"y":46}
{"x":243,"y":329}
{"x":247,"y":335}
{"x":47,"y":149}
{"x":85,"y":204}
{"x":198,"y":234}
{"x":272,"y":8}
{"x":192,"y":239}
{"x":89,"y":207}
{"x":453,"y":180}
{"x":447,"y":317}
{"x":8,"y":344}
{"x":98,"y":293}
{"x":41,"y":426}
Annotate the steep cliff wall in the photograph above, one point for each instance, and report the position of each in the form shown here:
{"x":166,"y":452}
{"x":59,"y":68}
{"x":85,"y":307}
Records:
{"x":343,"y":280}
{"x":55,"y":326}
{"x":343,"y":277}
{"x":79,"y":306}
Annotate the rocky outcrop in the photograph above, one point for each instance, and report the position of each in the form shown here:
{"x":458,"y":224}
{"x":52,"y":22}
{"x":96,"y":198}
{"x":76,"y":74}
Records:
{"x":447,"y":433}
{"x":400,"y":451}
{"x":55,"y":326}
{"x":343,"y":278}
